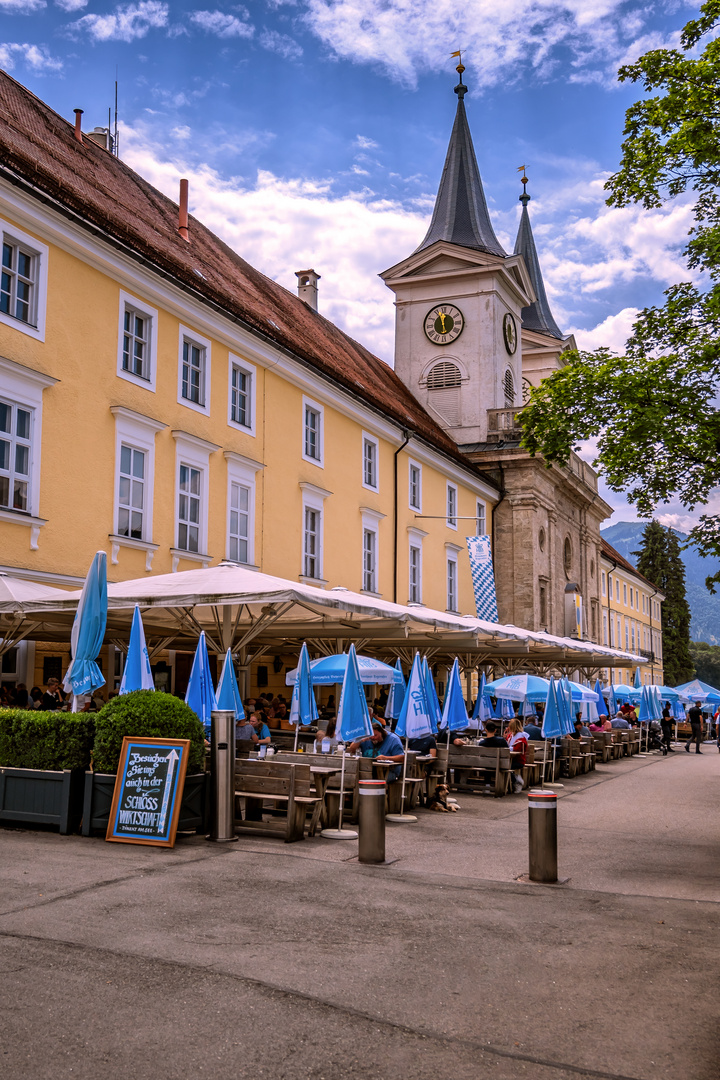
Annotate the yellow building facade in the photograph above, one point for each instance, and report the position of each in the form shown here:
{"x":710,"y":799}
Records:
{"x":140,"y":417}
{"x":631,"y":617}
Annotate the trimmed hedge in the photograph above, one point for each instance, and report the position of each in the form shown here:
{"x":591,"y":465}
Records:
{"x":45,"y":740}
{"x":145,"y":714}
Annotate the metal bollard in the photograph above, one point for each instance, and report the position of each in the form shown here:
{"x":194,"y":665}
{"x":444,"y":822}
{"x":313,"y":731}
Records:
{"x":371,"y":821}
{"x":222,"y":777}
{"x":542,"y":822}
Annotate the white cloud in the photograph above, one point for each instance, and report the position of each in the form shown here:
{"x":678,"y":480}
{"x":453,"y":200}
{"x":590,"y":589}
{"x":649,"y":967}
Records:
{"x":222,"y":25}
{"x":408,"y":37}
{"x":71,"y":5}
{"x":127,"y":23}
{"x":285,"y":46}
{"x":35,"y":57}
{"x":611,"y":333}
{"x":364,"y":143}
{"x":21,"y":7}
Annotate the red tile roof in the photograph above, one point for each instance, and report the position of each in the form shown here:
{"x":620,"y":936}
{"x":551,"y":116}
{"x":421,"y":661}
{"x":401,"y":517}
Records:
{"x":39,"y":146}
{"x":610,"y":553}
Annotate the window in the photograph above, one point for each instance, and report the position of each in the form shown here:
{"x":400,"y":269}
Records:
{"x":567,"y":557}
{"x":617,"y":590}
{"x":631,"y":597}
{"x":618,"y":637}
{"x":480,"y":519}
{"x":415,"y":486}
{"x":23,"y":282}
{"x":137,"y":341}
{"x":637,"y":600}
{"x":131,"y":493}
{"x":543,"y":606}
{"x":238,"y":530}
{"x":452,"y":506}
{"x":311,"y":543}
{"x":443,"y":385}
{"x":452,"y":593}
{"x":632,"y":636}
{"x":415,"y":584}
{"x":644,"y":604}
{"x":190,"y":487}
{"x":15,"y":456}
{"x":509,"y":388}
{"x":194,"y":371}
{"x":603,"y":583}
{"x":625,"y":598}
{"x":627,"y":635}
{"x":313,"y":448}
{"x":370,"y":462}
{"x":605,"y":629}
{"x":241,"y":410}
{"x":369,"y":560}
{"x":443,"y":376}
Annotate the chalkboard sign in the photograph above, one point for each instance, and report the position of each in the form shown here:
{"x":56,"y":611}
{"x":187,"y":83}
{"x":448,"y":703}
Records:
{"x":148,"y":790}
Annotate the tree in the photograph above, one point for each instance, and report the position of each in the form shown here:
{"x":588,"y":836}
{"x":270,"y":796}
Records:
{"x":706,"y":659}
{"x":660,"y":562}
{"x":653,"y":409}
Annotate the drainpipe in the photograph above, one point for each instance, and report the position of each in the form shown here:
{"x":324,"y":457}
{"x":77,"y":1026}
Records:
{"x":494,"y":512}
{"x":406,"y":437}
{"x":609,"y":598}
{"x":652,"y":646}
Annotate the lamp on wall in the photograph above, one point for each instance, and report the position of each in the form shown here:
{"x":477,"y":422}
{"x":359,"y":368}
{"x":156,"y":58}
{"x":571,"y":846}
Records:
{"x":277,"y":664}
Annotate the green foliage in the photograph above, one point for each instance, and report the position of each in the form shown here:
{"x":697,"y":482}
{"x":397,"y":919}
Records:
{"x":653,"y":410}
{"x":706,"y":659}
{"x":45,"y":740}
{"x":145,"y":714}
{"x":659,"y":560}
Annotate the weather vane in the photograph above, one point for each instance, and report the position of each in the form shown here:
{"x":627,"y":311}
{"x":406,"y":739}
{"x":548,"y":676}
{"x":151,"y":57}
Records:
{"x":523,"y":178}
{"x":460,"y":68}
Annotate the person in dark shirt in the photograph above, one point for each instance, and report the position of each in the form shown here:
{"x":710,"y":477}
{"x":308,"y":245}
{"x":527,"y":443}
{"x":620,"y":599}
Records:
{"x":492,"y":738}
{"x":695,"y":717}
{"x":667,"y":725}
{"x":533,"y":730}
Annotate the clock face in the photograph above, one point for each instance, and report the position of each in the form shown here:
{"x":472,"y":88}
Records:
{"x":444,"y":324}
{"x":510,"y":333}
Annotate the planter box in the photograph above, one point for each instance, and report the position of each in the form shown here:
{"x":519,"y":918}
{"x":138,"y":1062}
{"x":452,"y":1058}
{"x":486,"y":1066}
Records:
{"x":40,"y":797}
{"x":99,"y":788}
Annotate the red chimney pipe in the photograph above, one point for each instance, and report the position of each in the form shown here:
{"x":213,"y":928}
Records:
{"x":78,"y":129}
{"x":183,"y":226}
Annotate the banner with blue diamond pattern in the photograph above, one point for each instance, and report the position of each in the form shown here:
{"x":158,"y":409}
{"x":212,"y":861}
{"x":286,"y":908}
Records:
{"x":483,"y":577}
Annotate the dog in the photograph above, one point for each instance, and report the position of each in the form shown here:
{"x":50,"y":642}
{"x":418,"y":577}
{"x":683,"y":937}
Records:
{"x":438,"y":801}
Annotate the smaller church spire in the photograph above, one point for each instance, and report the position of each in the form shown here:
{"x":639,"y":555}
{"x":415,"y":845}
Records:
{"x":537,"y":316}
{"x":461,"y":214}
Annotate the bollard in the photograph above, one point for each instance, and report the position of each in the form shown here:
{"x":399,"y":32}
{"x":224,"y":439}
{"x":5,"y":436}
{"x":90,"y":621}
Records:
{"x":371,"y":821}
{"x":542,"y":822}
{"x":222,"y":776}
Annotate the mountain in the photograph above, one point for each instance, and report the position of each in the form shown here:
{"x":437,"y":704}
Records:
{"x":626,"y":537}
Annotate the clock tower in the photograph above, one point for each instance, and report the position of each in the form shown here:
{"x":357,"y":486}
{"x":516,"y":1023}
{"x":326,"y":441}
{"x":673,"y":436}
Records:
{"x":459,"y":303}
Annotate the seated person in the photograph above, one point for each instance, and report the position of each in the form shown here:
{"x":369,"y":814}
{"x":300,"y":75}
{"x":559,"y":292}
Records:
{"x":606,"y":725}
{"x":262,"y":731}
{"x":325,"y":741}
{"x":281,"y":713}
{"x":381,"y":744}
{"x":577,"y":733}
{"x":424,"y":744}
{"x":492,"y":738}
{"x":532,"y":729}
{"x":619,"y":722}
{"x":245,"y":733}
{"x":517,"y":740}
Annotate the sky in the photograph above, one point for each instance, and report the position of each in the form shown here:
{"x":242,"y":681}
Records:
{"x":313,"y":134}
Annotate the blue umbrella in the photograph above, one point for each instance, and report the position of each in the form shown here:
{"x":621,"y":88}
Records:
{"x":83,"y":676}
{"x":228,"y":691}
{"x":416,"y":718}
{"x":519,"y":688}
{"x":330,"y":670}
{"x":303,"y":709}
{"x":396,"y":695}
{"x":599,"y":692}
{"x":565,"y":700}
{"x":138,"y":673}
{"x":200,"y":694}
{"x":552,"y":725}
{"x":646,"y":713}
{"x":433,"y":704}
{"x":353,"y":723}
{"x":483,"y":707}
{"x":507,"y":709}
{"x":638,"y":681}
{"x":454,"y":716}
{"x":697,"y":690}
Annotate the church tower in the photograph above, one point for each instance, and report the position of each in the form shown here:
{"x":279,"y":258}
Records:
{"x":459,"y":303}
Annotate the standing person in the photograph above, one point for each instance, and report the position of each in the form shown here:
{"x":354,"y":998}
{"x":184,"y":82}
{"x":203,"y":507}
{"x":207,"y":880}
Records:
{"x":52,"y":698}
{"x":666,"y":724}
{"x":695,"y":717}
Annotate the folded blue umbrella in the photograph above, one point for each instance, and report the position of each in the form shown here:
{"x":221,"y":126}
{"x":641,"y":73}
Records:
{"x":303,"y":709}
{"x":138,"y":673}
{"x":454,"y":716}
{"x":483,"y":707}
{"x":396,"y":695}
{"x":228,"y":691}
{"x":415,"y":719}
{"x":88,"y":631}
{"x":552,"y":725}
{"x":638,"y":681}
{"x":431,"y":697}
{"x":200,"y":694}
{"x":353,"y":718}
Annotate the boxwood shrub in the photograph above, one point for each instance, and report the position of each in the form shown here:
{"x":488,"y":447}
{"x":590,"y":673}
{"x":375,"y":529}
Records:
{"x":45,"y":740}
{"x":145,"y":714}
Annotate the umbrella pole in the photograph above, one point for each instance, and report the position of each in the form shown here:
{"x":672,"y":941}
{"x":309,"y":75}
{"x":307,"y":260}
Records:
{"x":297,"y":733}
{"x":552,"y":783}
{"x":402,"y":817}
{"x":340,"y":833}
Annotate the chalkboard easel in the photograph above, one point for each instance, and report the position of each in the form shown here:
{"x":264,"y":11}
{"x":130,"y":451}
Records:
{"x":148,"y":791}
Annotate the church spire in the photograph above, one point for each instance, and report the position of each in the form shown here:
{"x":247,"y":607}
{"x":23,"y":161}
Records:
{"x":461,"y":214}
{"x":538,"y":315}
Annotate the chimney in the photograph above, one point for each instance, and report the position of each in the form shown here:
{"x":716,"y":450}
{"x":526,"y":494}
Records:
{"x":183,"y":219}
{"x":307,"y":287}
{"x":78,"y":129}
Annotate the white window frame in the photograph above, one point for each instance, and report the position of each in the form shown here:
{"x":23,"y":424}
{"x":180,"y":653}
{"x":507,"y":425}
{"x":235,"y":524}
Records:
{"x":480,"y":517}
{"x":127,"y":300}
{"x":451,"y":559}
{"x":24,"y":387}
{"x":451,"y":520}
{"x":313,"y":498}
{"x":371,"y":523}
{"x":251,"y":370}
{"x":369,"y":561}
{"x":603,"y":583}
{"x":632,"y":605}
{"x":617,"y":590}
{"x":415,"y":543}
{"x":192,"y":336}
{"x":134,"y":429}
{"x":11,"y":235}
{"x":411,"y":505}
{"x":308,"y":403}
{"x":605,"y":628}
{"x":242,"y":470}
{"x":625,"y":596}
{"x":367,"y":442}
{"x":194,"y":452}
{"x":17,"y":442}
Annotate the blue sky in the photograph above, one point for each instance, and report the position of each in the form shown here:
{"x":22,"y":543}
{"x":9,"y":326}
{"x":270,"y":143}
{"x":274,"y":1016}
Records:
{"x":313,"y":132}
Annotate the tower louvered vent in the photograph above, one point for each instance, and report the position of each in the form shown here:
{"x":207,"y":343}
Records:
{"x":443,"y":376}
{"x":509,"y":389}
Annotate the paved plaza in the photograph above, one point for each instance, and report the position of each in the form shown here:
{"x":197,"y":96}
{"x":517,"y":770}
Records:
{"x":259,"y":959}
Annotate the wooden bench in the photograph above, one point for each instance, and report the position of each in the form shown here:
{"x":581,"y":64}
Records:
{"x":355,"y":769}
{"x":532,"y":769}
{"x":483,"y":770}
{"x":587,"y":754}
{"x":281,"y":783}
